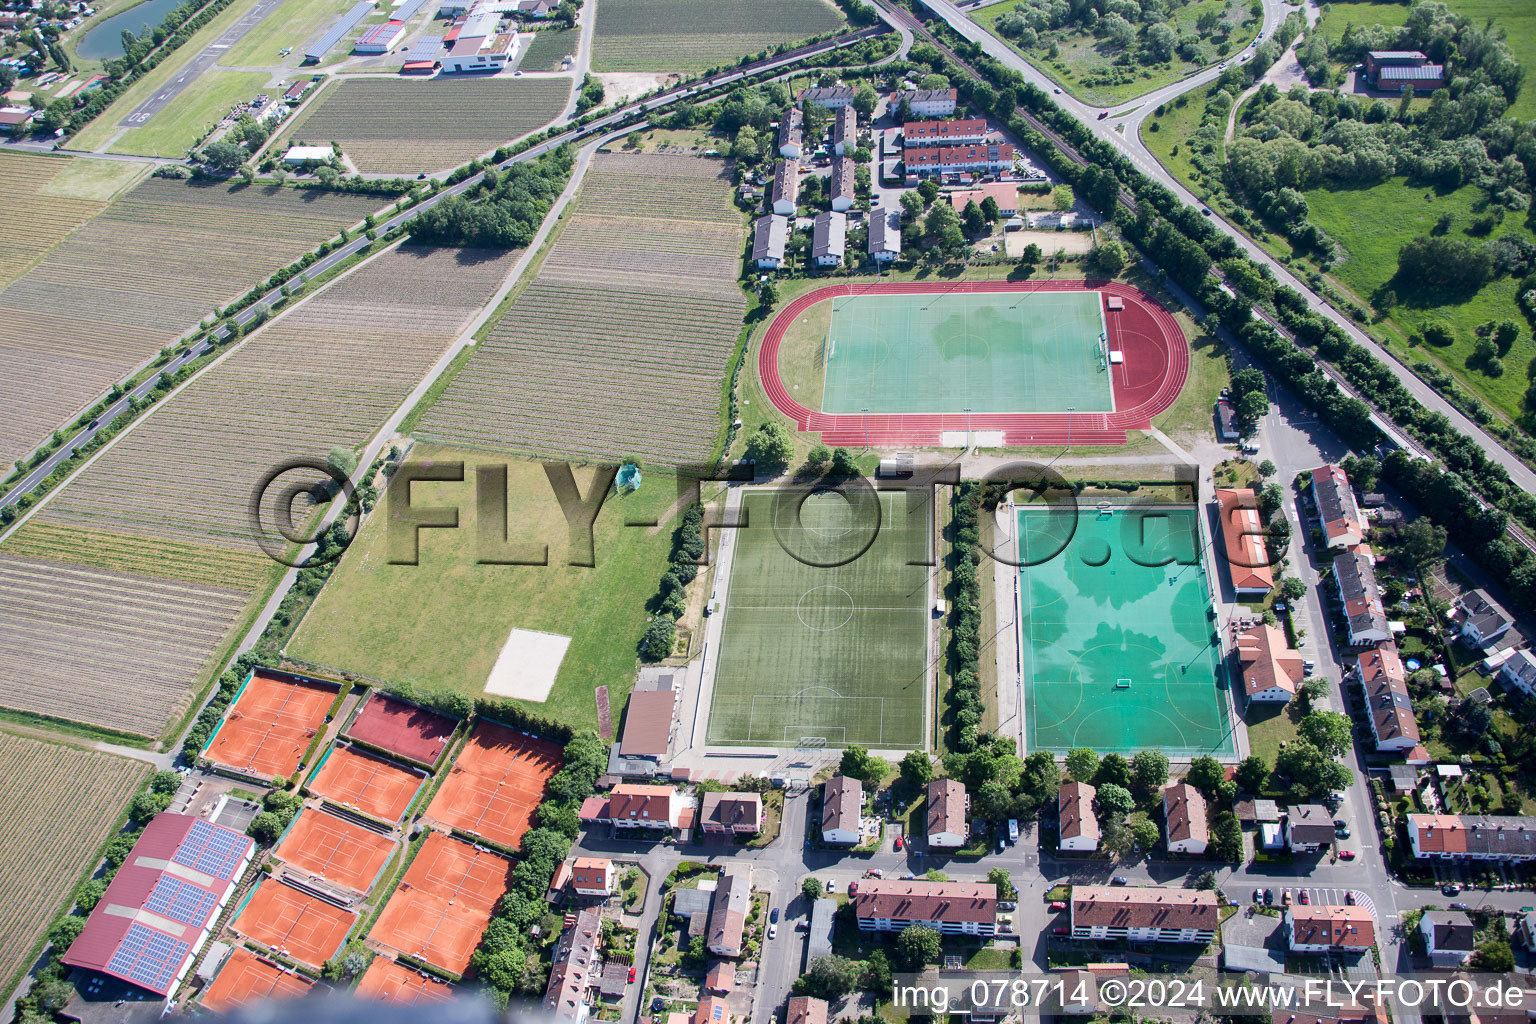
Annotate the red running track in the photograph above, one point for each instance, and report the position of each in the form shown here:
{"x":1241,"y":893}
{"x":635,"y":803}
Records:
{"x":1146,"y":384}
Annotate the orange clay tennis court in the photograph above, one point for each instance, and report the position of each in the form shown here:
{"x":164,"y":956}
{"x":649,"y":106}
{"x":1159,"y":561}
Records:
{"x":247,"y":978}
{"x":443,"y":903}
{"x":371,"y":784}
{"x":288,"y":921}
{"x":336,"y":850}
{"x":389,"y":982}
{"x":496,"y":783}
{"x":402,"y":728}
{"x":271,"y":724}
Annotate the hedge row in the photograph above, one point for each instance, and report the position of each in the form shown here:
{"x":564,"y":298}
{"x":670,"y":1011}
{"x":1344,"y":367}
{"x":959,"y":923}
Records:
{"x":672,"y":594}
{"x":963,"y":705}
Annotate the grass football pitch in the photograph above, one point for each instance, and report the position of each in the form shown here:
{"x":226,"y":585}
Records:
{"x":1120,"y":647}
{"x":988,"y":352}
{"x":826,"y":623}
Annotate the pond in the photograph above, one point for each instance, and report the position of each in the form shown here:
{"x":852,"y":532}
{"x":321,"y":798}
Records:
{"x":105,"y":40}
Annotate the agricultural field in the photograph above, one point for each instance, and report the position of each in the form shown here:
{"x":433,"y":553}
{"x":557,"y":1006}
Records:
{"x":401,"y":126}
{"x":441,"y":623}
{"x":137,"y":276}
{"x":185,"y":476}
{"x":691,"y":35}
{"x":329,"y":372}
{"x":112,"y":649}
{"x":47,"y":197}
{"x":621,"y":345}
{"x":60,"y":804}
{"x":549,"y":47}
{"x":186,"y":119}
{"x":172,"y":560}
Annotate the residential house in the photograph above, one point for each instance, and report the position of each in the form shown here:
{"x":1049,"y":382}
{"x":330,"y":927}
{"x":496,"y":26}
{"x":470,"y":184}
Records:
{"x":947,"y":809}
{"x":1338,"y":515}
{"x":1354,"y":575}
{"x":1396,"y":70}
{"x":1184,"y":819}
{"x":15,"y":120}
{"x":1482,"y":621}
{"x":954,"y":908}
{"x":1079,"y":989}
{"x":845,"y":131}
{"x":711,"y":1010}
{"x":1272,"y":671}
{"x":1449,"y":937}
{"x":1320,"y":928}
{"x":832,"y":97}
{"x":631,"y":806}
{"x":770,"y":237}
{"x":1385,"y":683}
{"x":1144,"y":913}
{"x":927,"y":161}
{"x":884,"y":234}
{"x":829,"y":239}
{"x":593,"y":876}
{"x":1520,"y":672}
{"x":792,"y":134}
{"x":574,"y":970}
{"x":1004,"y":193}
{"x":1078,"y":828}
{"x":728,"y":912}
{"x":964,"y":132}
{"x":1242,"y":532}
{"x":842,"y":804}
{"x":807,"y":1009}
{"x":733,"y":814}
{"x":784,"y":193}
{"x":841,"y":183}
{"x":720,"y":979}
{"x":927,"y":102}
{"x":1472,"y":837}
{"x":1525,"y":929}
{"x":1308,"y":828}
{"x":161,"y":906}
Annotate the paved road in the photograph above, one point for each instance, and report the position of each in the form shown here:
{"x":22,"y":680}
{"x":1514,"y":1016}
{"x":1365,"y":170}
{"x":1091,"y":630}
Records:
{"x":197,"y":65}
{"x":601,"y":126}
{"x":1122,"y":134}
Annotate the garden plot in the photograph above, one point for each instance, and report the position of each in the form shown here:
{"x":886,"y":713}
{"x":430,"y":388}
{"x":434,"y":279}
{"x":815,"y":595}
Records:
{"x":327,"y":373}
{"x":60,"y":804}
{"x":134,"y":279}
{"x":620,"y":345}
{"x":691,"y":35}
{"x":403,"y":126}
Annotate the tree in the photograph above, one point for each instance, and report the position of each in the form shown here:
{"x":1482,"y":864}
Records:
{"x":1312,"y":690}
{"x":1292,"y":588}
{"x":990,"y":210}
{"x":859,"y":763}
{"x":817,"y":458}
{"x":877,"y":973}
{"x":1310,"y":771}
{"x":1004,"y":882}
{"x":1031,"y":255}
{"x":1328,"y":731}
{"x":811,"y":888}
{"x":659,"y":637}
{"x":843,"y":462}
{"x":226,"y":156}
{"x":265,"y":827}
{"x":916,"y":946}
{"x":1494,"y":955}
{"x":1062,"y":198}
{"x":771,"y":447}
{"x":1442,"y":262}
{"x":1252,"y":772}
{"x":928,"y":190}
{"x":1205,"y":881}
{"x":1423,"y":540}
{"x":1119,"y":32}
{"x":1082,"y":764}
{"x":1108,"y":257}
{"x":1206,"y":773}
{"x":341,"y":461}
{"x":1149,"y":771}
{"x":1226,"y":838}
{"x":697,"y":954}
{"x":1146,"y":834}
{"x":1115,"y":838}
{"x":1252,"y":406}
{"x":1266,"y":468}
{"x":1115,"y":769}
{"x":1115,"y":802}
{"x":911,"y":205}
{"x":864,"y":100}
{"x":916,"y":769}
{"x":974,"y":220}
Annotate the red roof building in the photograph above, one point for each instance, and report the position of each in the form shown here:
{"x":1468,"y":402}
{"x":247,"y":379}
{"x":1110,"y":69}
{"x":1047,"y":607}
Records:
{"x":926,"y":161}
{"x":1243,"y":534}
{"x":159,"y":907}
{"x":962,"y":132}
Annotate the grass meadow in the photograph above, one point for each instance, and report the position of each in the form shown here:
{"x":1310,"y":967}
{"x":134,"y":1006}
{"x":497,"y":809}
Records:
{"x":442,"y":622}
{"x":190,"y":116}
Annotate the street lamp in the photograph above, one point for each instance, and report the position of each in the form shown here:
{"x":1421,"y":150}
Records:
{"x":865,"y":414}
{"x":968,"y":438}
{"x":1070,"y":410}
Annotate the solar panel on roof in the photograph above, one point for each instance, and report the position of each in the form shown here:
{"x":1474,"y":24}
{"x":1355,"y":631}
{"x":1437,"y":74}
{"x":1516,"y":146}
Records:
{"x":426,"y":48}
{"x":211,"y":850}
{"x":183,"y":901}
{"x":147,"y":957}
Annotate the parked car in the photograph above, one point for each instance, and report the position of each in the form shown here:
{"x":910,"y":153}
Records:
{"x":1007,"y":905}
{"x":631,"y":975}
{"x":1285,"y":898}
{"x":898,"y":844}
{"x":1461,"y":906}
{"x":874,"y":873}
{"x":853,"y":888}
{"x":1450,"y":889}
{"x":1058,"y":905}
{"x":1269,"y":897}
{"x":1340,"y":823}
{"x":831,"y":885}
{"x":773,"y":931}
{"x":1349,"y":897}
{"x":1304,"y":898}
{"x":1059,"y":930}
{"x":1119,"y":880}
{"x":1341,"y":833}
{"x":1258,"y":894}
{"x":773,"y":916}
{"x":1346,"y":854}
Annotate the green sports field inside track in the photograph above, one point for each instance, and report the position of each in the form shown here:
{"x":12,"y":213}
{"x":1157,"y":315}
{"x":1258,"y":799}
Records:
{"x":824,"y":638}
{"x":1119,"y":644}
{"x":984,"y":351}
